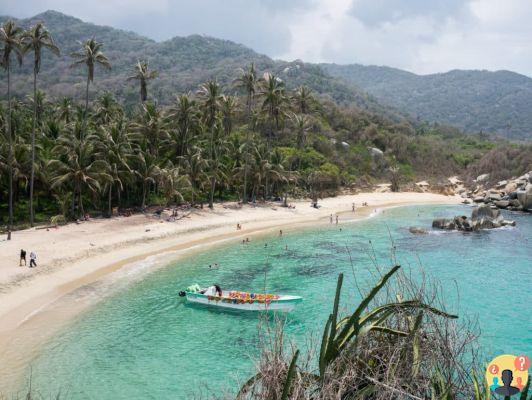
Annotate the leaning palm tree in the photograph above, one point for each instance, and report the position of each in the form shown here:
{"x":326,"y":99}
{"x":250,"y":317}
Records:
{"x":90,"y":54}
{"x":143,"y":75}
{"x":10,"y":41}
{"x":36,"y":39}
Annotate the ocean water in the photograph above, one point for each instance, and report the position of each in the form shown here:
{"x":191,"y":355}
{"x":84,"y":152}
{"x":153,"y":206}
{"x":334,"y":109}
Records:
{"x":143,"y":342}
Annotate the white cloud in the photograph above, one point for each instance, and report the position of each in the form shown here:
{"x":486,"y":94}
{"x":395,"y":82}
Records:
{"x":423,"y":36}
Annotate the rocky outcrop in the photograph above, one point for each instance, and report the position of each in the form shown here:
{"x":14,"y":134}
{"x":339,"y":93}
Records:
{"x":482,"y":217}
{"x":512,"y":194}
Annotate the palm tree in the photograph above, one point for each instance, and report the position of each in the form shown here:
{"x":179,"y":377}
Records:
{"x":185,"y":115}
{"x":211,"y":94}
{"x":272,"y":91}
{"x":196,"y":166}
{"x":229,"y":108}
{"x":143,"y":75}
{"x":114,"y":147}
{"x":90,"y":54}
{"x":301,"y":126}
{"x":64,"y":109}
{"x":10,"y":40}
{"x":36,"y":39}
{"x":248,"y":82}
{"x":303,"y":100}
{"x":75,"y":166}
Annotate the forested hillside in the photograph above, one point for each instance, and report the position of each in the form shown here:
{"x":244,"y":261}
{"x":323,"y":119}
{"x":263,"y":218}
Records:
{"x":182,"y":62}
{"x":474,"y":101}
{"x":119,"y":144}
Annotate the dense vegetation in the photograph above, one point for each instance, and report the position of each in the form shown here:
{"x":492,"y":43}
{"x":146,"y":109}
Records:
{"x":493,"y":102}
{"x":265,"y":141}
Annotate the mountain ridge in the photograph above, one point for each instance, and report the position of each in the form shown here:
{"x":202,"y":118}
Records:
{"x":472,"y":100}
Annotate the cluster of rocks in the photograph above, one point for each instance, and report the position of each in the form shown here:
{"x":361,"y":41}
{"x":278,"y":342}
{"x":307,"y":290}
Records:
{"x":513,"y":194}
{"x":482,"y":217}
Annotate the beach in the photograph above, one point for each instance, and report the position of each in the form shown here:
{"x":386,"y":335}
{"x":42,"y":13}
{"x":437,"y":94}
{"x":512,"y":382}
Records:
{"x":75,"y":255}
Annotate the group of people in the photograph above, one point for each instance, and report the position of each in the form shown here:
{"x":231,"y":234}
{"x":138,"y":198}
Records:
{"x":331,"y":219}
{"x":33,"y":258}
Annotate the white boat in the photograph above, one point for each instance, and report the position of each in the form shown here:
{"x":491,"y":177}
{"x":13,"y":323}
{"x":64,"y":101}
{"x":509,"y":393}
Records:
{"x":242,"y":300}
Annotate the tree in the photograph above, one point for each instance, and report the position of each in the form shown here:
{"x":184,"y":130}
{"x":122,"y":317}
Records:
{"x":301,"y":125}
{"x":90,"y":55}
{"x":273,"y":95}
{"x":247,"y":82}
{"x":10,"y":41}
{"x":36,"y":39}
{"x":303,"y":100}
{"x":211,"y":95}
{"x":75,"y":167}
{"x":184,"y":118}
{"x":143,"y":75}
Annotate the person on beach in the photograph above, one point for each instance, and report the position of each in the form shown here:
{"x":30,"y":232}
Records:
{"x":22,"y":257}
{"x":330,"y":219}
{"x":337,"y":220}
{"x":280,"y":232}
{"x":353,"y":207}
{"x":33,"y":258}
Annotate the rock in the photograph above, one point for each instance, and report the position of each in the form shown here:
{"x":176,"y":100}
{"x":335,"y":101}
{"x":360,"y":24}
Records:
{"x":501,"y":184}
{"x":493,"y":196}
{"x":440,"y":223}
{"x":417,"y":231}
{"x":478,"y":199}
{"x":484,"y":211}
{"x":502,"y":203}
{"x":525,"y":197}
{"x":466,"y":201}
{"x":507,"y":222}
{"x":483,"y":178}
{"x":514,"y":202}
{"x":375,"y":152}
{"x":510,"y":187}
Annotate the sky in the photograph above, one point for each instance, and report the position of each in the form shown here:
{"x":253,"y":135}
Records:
{"x":422,"y":36}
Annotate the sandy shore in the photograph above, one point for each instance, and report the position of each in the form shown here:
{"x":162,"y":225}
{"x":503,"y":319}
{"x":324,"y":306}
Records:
{"x":77,"y":254}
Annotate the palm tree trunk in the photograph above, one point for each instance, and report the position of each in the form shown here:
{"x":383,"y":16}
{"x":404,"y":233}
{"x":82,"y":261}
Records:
{"x":32,"y":178}
{"x":211,"y":198}
{"x":85,"y":114}
{"x":81,"y":203}
{"x":110,"y":200}
{"x":143,"y":195}
{"x":10,"y":155}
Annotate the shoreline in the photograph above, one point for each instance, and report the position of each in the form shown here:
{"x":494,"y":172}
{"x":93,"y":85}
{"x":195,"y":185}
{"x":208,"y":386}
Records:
{"x":30,"y":304}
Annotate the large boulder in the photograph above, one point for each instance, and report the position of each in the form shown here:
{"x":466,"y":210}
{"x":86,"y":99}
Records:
{"x":525,"y":197}
{"x":502,"y":203}
{"x":484,"y":211}
{"x":482,"y":217}
{"x":483,"y":178}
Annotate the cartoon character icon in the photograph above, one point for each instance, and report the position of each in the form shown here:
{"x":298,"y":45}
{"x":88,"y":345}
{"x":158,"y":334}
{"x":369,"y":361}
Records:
{"x":519,"y":383}
{"x":507,"y":389}
{"x":495,"y":384}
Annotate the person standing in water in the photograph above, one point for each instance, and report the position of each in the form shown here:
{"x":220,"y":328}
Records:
{"x":337,"y":220}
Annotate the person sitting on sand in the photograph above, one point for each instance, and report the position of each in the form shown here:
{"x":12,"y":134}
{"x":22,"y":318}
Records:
{"x":33,"y":258}
{"x":22,"y":257}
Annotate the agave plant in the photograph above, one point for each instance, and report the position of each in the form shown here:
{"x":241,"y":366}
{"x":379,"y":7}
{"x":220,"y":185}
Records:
{"x":345,"y":335}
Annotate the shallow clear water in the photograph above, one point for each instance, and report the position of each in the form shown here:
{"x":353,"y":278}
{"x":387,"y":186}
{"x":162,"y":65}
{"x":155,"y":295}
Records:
{"x":144,"y":342}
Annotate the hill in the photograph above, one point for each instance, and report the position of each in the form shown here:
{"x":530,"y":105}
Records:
{"x":471,"y":100}
{"x":182,"y":62}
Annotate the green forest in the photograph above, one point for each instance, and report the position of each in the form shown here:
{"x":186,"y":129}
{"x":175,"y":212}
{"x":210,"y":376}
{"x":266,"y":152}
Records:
{"x":255,"y":138}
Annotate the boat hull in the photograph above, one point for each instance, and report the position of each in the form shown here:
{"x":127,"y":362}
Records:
{"x":284,"y":303}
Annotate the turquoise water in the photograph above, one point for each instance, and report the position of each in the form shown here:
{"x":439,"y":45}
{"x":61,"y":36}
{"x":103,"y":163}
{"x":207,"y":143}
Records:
{"x":143,"y":342}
